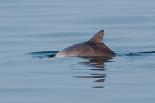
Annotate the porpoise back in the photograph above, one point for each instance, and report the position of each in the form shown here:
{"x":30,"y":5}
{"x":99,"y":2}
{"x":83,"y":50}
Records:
{"x":92,"y":47}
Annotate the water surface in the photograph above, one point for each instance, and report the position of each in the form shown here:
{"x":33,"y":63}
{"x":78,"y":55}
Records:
{"x":32,"y":31}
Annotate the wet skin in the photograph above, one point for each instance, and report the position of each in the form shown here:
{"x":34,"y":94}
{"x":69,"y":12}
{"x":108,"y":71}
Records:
{"x":92,"y":47}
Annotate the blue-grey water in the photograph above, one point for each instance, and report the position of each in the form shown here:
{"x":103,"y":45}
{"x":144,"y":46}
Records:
{"x":32,"y":31}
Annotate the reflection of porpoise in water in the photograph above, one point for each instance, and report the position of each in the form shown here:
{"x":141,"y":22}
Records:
{"x":92,"y":47}
{"x":97,"y":67}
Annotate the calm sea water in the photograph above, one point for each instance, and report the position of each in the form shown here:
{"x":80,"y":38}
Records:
{"x":31,"y":30}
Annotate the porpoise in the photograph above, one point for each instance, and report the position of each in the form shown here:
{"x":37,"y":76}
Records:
{"x":91,"y":48}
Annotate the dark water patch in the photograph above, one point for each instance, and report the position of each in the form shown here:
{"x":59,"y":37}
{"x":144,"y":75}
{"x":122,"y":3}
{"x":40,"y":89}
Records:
{"x":135,"y":54}
{"x":44,"y":54}
{"x":89,"y":64}
{"x":98,"y":69}
{"x":96,"y":62}
{"x":98,"y":87}
{"x":91,"y":76}
{"x":100,"y":80}
{"x":146,"y":53}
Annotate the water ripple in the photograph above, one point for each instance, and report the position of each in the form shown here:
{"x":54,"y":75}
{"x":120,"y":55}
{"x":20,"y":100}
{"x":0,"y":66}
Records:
{"x":145,"y":53}
{"x":44,"y":54}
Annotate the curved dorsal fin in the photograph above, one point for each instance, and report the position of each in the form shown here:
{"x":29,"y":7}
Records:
{"x":98,"y":37}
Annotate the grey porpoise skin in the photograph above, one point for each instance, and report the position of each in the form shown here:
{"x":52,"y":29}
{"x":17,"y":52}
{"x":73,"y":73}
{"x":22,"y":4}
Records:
{"x":93,"y":47}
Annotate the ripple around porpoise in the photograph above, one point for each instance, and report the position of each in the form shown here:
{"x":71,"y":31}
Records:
{"x":44,"y":54}
{"x":50,"y":54}
{"x":144,"y":53}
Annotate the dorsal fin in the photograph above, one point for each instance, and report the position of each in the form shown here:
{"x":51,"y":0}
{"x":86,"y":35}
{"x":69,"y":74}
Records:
{"x":98,"y":37}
